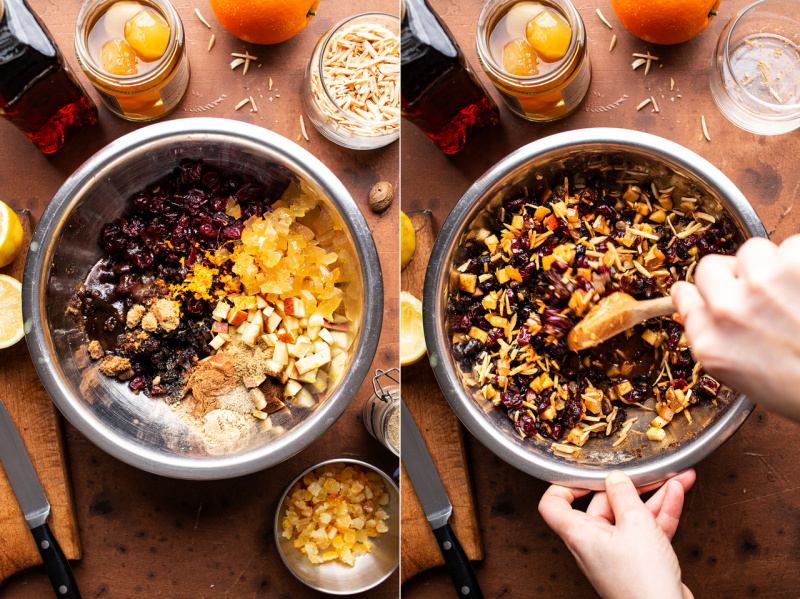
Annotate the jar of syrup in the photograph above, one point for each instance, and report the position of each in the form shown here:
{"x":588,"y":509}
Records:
{"x":440,"y":93}
{"x":38,"y":93}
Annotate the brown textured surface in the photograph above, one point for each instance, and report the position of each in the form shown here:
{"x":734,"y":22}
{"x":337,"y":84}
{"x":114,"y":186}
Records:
{"x":39,"y":425}
{"x":739,"y":535}
{"x":443,"y":435}
{"x":146,"y":536}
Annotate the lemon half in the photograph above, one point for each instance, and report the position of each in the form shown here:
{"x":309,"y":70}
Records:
{"x":412,"y":336}
{"x":10,"y":235}
{"x":11,"y":328}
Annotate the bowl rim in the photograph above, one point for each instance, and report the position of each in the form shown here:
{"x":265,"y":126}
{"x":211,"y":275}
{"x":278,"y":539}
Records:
{"x":565,"y":473}
{"x":34,"y":314}
{"x":278,"y":529}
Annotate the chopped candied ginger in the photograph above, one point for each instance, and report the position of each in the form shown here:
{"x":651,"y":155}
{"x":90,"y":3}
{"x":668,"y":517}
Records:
{"x":337,"y":517}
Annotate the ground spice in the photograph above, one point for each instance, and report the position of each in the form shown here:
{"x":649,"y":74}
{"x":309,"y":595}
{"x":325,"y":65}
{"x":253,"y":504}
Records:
{"x":239,"y":400}
{"x":393,"y":428}
{"x":211,"y":379}
{"x":166,"y":313}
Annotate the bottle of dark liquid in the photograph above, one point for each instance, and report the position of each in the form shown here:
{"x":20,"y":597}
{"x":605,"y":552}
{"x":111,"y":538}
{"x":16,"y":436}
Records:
{"x":38,"y":93}
{"x":440,"y":92}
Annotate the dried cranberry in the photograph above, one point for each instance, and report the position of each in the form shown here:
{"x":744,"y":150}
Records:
{"x":133,"y":228}
{"x":511,"y":399}
{"x":526,"y":424}
{"x":528,"y":272}
{"x":558,"y":431}
{"x":191,"y":172}
{"x":543,"y":404}
{"x":554,"y":323}
{"x":157,"y":390}
{"x":137,"y":383}
{"x":144,"y":259}
{"x":493,"y":336}
{"x":708,"y":385}
{"x":121,"y":268}
{"x":573,"y":412}
{"x":473,"y":346}
{"x":524,"y":336}
{"x":212,"y":181}
{"x":114,"y":245}
{"x":460,"y":323}
{"x":678,"y":383}
{"x":513,"y":202}
{"x":249,"y":193}
{"x":636,"y":395}
{"x":581,"y":261}
{"x":675,"y":331}
{"x":143,"y":202}
{"x":519,"y":245}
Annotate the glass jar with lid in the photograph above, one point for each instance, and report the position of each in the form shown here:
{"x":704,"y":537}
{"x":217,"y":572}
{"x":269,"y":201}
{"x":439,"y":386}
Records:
{"x":543,"y":83}
{"x":138,"y":87}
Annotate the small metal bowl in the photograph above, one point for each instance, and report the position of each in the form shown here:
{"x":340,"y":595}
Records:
{"x":644,"y":158}
{"x":336,"y":578}
{"x":136,"y":429}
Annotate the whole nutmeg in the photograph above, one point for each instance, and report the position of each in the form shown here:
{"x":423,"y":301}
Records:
{"x":381,"y":196}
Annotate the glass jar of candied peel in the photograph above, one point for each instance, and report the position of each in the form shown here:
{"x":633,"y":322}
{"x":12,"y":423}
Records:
{"x":535,"y":54}
{"x":134,"y":53}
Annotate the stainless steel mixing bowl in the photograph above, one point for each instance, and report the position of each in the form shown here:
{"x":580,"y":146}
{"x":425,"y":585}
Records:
{"x":639,"y":157}
{"x":370,"y":569}
{"x":138,"y":430}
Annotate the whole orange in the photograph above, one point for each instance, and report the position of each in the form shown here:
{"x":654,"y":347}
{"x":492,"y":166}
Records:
{"x":665,"y":21}
{"x":264,"y":21}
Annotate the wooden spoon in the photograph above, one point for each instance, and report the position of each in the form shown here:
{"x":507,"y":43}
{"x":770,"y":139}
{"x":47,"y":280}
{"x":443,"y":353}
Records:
{"x":613,"y":314}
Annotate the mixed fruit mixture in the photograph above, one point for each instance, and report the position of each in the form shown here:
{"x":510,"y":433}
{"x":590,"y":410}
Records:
{"x":219,"y":291}
{"x":551,"y":254}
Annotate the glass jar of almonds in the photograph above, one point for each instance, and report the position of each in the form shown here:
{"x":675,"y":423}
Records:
{"x":352,"y":85}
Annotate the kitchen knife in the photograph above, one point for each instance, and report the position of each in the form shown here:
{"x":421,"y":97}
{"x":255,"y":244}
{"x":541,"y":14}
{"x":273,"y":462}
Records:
{"x":30,"y":495}
{"x":437,"y":506}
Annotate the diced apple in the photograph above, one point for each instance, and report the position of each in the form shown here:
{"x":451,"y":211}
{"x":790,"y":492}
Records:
{"x":294,"y":306}
{"x":288,"y":336}
{"x":281,"y":355}
{"x":291,"y":323}
{"x":272,"y":368}
{"x":251,"y":333}
{"x":259,"y":400}
{"x":221,"y":311}
{"x":308,"y":377}
{"x":342,"y":326}
{"x":258,"y":319}
{"x":241,"y":328}
{"x":250,"y":315}
{"x":320,"y":346}
{"x":291,"y":371}
{"x":261,"y":303}
{"x":316,"y":320}
{"x":304,"y":399}
{"x":279,"y":308}
{"x":339,"y":319}
{"x":292,"y":388}
{"x":320,"y":384}
{"x":272,"y":339}
{"x":301,"y":347}
{"x":336,"y":369}
{"x":339,"y":339}
{"x":304,"y":322}
{"x":253,"y":381}
{"x":326,"y":336}
{"x":217,"y":342}
{"x":219,"y":327}
{"x":267,"y":311}
{"x":313,"y":332}
{"x":237,"y":317}
{"x":250,"y":302}
{"x":273,"y":321}
{"x":314,"y":361}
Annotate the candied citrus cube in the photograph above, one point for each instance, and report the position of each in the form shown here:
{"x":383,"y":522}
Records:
{"x":118,"y":58}
{"x":549,"y":35}
{"x":519,"y":58}
{"x":148,"y":34}
{"x":381,"y":527}
{"x":338,"y":542}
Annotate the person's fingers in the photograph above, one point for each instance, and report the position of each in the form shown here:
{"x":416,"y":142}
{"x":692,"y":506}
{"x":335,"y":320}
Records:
{"x":755,"y":258}
{"x":692,"y":309}
{"x":685,"y":478}
{"x":669,"y":516}
{"x":622,"y":497}
{"x":600,"y":508}
{"x":715,"y":277}
{"x":790,"y":246}
{"x":556,"y":509}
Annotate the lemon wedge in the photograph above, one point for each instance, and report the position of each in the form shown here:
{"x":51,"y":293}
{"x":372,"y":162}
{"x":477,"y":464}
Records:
{"x":11,"y":328}
{"x":408,"y":240}
{"x":10,"y":235}
{"x":412,"y":336}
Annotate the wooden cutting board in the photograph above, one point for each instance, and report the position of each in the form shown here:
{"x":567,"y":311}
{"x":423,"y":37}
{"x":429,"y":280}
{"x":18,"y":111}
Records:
{"x":443,"y":435}
{"x":39,"y":425}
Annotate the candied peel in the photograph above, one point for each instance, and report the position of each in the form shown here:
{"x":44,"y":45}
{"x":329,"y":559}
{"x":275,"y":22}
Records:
{"x":334,"y":511}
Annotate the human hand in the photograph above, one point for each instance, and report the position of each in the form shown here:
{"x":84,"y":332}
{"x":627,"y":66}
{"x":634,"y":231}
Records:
{"x":622,"y":545}
{"x":743,"y":323}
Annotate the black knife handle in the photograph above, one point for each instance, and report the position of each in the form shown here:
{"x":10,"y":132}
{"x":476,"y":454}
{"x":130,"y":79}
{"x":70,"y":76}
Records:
{"x":457,"y":563}
{"x":55,"y":563}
